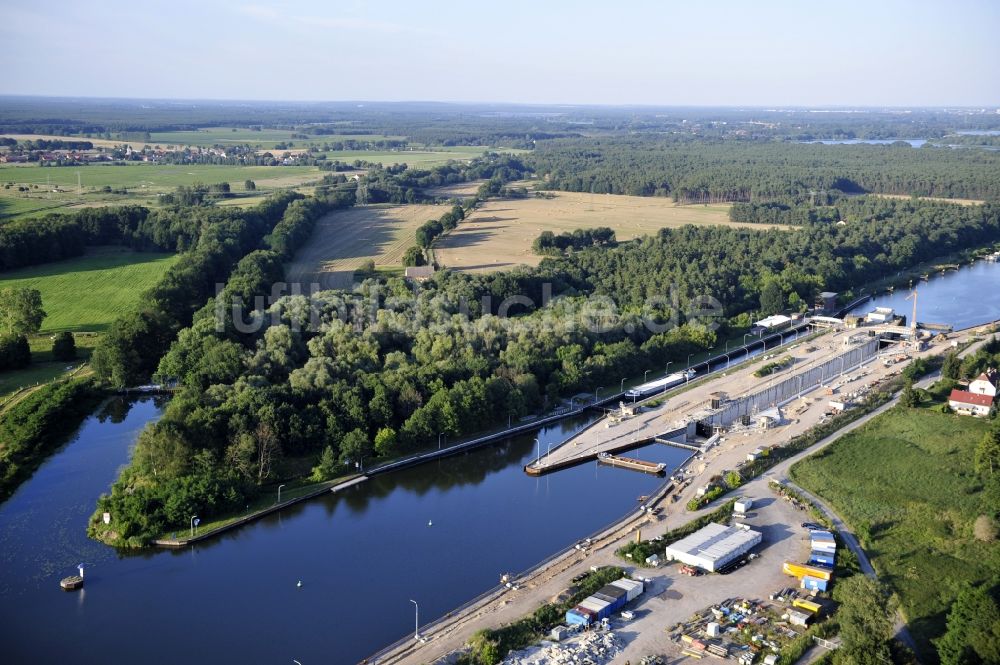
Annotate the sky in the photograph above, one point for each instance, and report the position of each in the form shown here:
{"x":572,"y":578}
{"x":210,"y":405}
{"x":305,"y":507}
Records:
{"x":667,"y":52}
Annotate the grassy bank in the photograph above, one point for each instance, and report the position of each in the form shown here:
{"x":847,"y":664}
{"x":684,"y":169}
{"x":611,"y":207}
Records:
{"x":33,"y":427}
{"x":906,"y":485}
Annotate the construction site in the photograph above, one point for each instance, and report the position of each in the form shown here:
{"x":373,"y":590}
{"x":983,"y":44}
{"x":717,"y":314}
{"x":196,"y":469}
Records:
{"x":770,"y":589}
{"x":824,"y":373}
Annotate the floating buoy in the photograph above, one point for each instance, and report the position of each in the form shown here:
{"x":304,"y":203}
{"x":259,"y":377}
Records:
{"x":299,"y":584}
{"x":430,"y":523}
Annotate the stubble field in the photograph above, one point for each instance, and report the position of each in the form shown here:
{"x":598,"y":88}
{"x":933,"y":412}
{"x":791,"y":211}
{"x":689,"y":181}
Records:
{"x":346,"y":239}
{"x":500,"y":233}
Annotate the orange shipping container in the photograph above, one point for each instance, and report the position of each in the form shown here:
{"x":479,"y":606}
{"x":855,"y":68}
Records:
{"x":800,"y":570}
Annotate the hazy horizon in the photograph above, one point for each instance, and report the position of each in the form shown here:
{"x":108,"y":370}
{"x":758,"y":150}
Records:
{"x":778,"y":54}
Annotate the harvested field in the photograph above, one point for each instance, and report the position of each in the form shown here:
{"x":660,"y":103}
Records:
{"x":345,"y":239}
{"x":500,"y":233}
{"x":456,"y":190}
{"x":961,"y":202}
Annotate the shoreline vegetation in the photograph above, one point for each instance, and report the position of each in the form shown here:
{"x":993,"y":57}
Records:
{"x":251,"y":402}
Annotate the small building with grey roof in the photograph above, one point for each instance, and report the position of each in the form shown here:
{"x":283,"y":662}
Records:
{"x":714,"y":546}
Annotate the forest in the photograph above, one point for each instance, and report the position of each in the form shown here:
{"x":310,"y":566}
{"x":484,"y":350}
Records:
{"x":351,"y":377}
{"x":706,"y":171}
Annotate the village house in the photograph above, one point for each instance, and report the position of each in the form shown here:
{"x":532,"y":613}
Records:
{"x":985,"y":383}
{"x":964,"y":403}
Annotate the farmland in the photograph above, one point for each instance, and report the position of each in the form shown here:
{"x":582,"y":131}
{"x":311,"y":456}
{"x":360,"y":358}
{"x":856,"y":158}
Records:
{"x":913,"y":510}
{"x":53,"y":187}
{"x":155,"y":178}
{"x":265,"y":138}
{"x":89,"y":292}
{"x":500,"y":233}
{"x":345,"y":239}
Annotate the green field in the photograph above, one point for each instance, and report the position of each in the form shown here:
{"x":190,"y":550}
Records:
{"x":155,"y":177}
{"x":43,"y":366}
{"x":89,"y":292}
{"x":265,"y":138}
{"x":905,"y":485}
{"x":11,"y":206}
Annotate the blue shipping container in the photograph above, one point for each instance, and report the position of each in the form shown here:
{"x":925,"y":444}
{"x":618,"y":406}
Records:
{"x":824,"y":558}
{"x":574,"y":619}
{"x":813,"y":583}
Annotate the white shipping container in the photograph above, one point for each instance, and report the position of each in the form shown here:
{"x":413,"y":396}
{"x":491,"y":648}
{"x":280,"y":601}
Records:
{"x":632,"y":588}
{"x":595,"y":604}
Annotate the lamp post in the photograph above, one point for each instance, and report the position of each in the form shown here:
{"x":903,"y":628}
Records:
{"x":279,"y":493}
{"x":599,"y":388}
{"x":621,"y":387}
{"x":439,"y":440}
{"x":667,"y":370}
{"x":416,"y":619}
{"x":644,"y":376}
{"x":538,"y":449}
{"x":689,"y":360}
{"x":194,"y":522}
{"x":745,"y":338}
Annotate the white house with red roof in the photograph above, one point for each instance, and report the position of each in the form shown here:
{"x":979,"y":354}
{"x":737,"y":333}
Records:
{"x":985,"y":383}
{"x":964,"y":402}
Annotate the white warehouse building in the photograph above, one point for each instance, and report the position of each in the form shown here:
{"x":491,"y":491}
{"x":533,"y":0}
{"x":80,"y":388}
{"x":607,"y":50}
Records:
{"x":714,"y":546}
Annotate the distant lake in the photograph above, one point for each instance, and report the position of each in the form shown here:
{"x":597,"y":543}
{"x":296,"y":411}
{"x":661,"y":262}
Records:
{"x":916,"y":143}
{"x":980,"y":132}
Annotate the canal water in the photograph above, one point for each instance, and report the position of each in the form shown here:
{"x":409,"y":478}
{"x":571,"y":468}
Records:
{"x":361,"y":555}
{"x":962,"y":298}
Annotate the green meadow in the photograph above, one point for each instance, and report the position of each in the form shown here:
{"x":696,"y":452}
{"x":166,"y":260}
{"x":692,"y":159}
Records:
{"x":905,"y":484}
{"x":265,"y":138}
{"x":87,"y":293}
{"x":158,"y":177}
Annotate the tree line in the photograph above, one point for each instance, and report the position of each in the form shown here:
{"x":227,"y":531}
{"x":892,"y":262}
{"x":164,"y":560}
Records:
{"x":549,"y":243}
{"x":129,"y":352}
{"x":703,"y":170}
{"x":441,"y":362}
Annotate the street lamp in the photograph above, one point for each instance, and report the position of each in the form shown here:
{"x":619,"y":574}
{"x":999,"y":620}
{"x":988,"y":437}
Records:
{"x":538,"y":449}
{"x":745,"y":338}
{"x":644,"y":376}
{"x":621,"y":387}
{"x":416,"y":619}
{"x":667,"y":370}
{"x":727,"y":346}
{"x":599,"y":388}
{"x":689,"y":360}
{"x":194,"y":522}
{"x":439,"y":440}
{"x":279,"y":493}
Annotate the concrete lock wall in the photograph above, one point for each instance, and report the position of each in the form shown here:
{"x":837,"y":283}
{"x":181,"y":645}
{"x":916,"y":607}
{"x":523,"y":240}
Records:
{"x":798,"y":384}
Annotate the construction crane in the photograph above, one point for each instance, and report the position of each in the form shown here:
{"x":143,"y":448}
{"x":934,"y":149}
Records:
{"x":913,"y":321}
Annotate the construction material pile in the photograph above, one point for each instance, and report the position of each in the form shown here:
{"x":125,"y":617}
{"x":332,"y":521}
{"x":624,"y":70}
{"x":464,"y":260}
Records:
{"x":591,"y":648}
